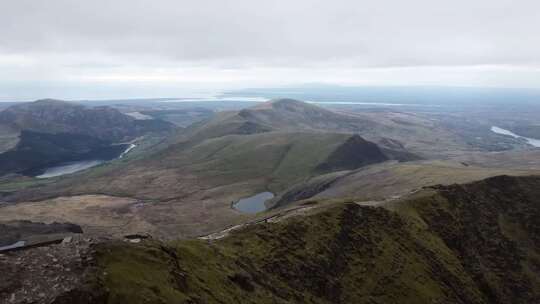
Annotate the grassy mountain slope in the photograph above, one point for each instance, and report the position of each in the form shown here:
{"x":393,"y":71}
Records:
{"x":281,"y":158}
{"x":493,"y":225}
{"x":474,"y":243}
{"x":232,"y":148}
{"x":290,"y":114}
{"x":285,"y":115}
{"x":9,"y":137}
{"x":391,"y":179}
{"x":270,"y":160}
{"x":396,"y":131}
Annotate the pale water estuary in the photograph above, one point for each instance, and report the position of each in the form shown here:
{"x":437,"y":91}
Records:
{"x":531,"y":141}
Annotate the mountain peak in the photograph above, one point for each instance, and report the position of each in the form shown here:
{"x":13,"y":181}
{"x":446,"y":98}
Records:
{"x":282,"y":103}
{"x":286,"y":101}
{"x":291,"y":114}
{"x":39,"y":106}
{"x":53,"y":102}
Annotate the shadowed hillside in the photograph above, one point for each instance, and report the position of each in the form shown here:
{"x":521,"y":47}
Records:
{"x":37,"y":150}
{"x":49,"y":132}
{"x":272,"y":160}
{"x":56,"y":116}
{"x":240,"y":147}
{"x":353,"y":154}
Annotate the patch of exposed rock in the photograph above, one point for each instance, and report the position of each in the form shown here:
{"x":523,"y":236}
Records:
{"x":43,"y":274}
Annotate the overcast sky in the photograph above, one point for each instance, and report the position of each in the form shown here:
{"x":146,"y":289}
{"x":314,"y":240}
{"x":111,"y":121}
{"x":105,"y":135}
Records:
{"x":134,"y":48}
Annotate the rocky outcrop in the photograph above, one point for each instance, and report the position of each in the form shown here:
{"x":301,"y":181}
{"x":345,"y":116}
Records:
{"x":13,"y":231}
{"x":49,"y":274}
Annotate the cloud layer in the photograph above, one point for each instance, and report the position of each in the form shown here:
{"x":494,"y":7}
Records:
{"x":241,"y":41}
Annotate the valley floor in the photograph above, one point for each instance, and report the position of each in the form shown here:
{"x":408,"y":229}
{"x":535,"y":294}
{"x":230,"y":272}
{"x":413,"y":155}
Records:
{"x":210,"y":210}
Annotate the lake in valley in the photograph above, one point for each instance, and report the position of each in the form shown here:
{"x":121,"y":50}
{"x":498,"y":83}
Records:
{"x":253,"y":204}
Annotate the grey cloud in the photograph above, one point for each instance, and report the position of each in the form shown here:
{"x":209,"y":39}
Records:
{"x":153,"y":48}
{"x":351,"y":33}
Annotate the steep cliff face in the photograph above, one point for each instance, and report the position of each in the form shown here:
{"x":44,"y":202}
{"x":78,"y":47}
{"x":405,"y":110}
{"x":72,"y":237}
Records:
{"x":474,"y":243}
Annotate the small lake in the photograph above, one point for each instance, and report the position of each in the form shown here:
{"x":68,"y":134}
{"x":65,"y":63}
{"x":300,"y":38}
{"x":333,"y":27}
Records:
{"x":253,"y":204}
{"x":75,"y":166}
{"x":68,"y":168}
{"x":531,"y":141}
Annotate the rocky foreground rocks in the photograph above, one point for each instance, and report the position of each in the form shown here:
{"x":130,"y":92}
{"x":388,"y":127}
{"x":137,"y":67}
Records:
{"x":42,"y":274}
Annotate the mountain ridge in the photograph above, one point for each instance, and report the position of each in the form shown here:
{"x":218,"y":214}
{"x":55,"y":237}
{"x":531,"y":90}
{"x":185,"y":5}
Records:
{"x":443,"y":244}
{"x":57,"y":116}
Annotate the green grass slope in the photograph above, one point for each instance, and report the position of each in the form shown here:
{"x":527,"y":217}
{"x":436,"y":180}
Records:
{"x":271,"y":160}
{"x":476,"y":243}
{"x":280,"y":158}
{"x":231,"y":148}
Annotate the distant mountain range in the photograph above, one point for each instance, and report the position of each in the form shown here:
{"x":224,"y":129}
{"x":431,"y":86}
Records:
{"x":273,"y":146}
